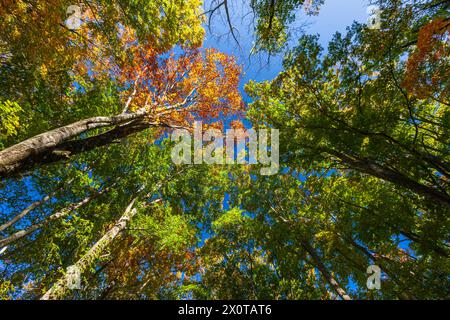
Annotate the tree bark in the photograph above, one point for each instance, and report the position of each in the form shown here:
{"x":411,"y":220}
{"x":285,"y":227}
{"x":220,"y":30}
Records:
{"x":31,"y":207}
{"x":404,"y":293}
{"x":58,"y":289}
{"x":408,"y":234}
{"x":426,"y":243}
{"x":22,"y":233}
{"x":369,"y":167}
{"x":44,"y":147}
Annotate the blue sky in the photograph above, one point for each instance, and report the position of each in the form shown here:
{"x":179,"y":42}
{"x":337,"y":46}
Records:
{"x":335,"y":15}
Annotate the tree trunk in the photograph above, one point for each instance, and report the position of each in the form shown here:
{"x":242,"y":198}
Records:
{"x":27,"y":210}
{"x":35,"y":150}
{"x":324,"y":271}
{"x":426,"y":243}
{"x":58,"y":289}
{"x":22,"y":233}
{"x":404,"y":292}
{"x":369,"y":167}
{"x":408,"y":234}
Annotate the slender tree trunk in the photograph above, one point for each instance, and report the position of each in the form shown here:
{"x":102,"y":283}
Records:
{"x":401,"y":180}
{"x":404,"y":293}
{"x":22,"y":156}
{"x":408,"y":234}
{"x":58,"y":289}
{"x":317,"y":262}
{"x":27,"y":210}
{"x":369,"y":167}
{"x":324,"y":271}
{"x":64,"y":212}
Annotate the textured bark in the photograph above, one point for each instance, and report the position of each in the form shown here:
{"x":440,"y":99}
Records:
{"x":22,"y":233}
{"x":58,"y":290}
{"x":45,"y":146}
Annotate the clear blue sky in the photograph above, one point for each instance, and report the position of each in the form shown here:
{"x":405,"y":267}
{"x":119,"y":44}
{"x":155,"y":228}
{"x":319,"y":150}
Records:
{"x":335,"y":15}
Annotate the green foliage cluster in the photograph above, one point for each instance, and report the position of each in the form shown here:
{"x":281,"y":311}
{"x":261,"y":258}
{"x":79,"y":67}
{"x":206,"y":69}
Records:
{"x":364,"y":179}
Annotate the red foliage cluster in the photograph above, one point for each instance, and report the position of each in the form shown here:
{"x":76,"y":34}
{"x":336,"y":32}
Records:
{"x":427,"y":68}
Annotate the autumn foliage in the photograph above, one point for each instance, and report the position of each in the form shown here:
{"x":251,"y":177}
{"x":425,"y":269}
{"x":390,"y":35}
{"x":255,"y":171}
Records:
{"x":427,"y":68}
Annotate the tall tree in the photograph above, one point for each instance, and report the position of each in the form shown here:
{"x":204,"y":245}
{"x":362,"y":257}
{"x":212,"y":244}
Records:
{"x":168,"y":94}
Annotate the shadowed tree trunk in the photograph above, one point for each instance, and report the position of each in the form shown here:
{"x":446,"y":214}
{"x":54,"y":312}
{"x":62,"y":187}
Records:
{"x":27,"y":210}
{"x":30,"y":208}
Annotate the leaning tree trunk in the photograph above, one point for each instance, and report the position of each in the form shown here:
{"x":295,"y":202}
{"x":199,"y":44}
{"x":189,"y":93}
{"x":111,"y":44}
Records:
{"x":25,"y":211}
{"x":324,"y":271}
{"x":372,"y":168}
{"x":58,"y":290}
{"x":404,"y":294}
{"x":45,"y":147}
{"x":30,"y":208}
